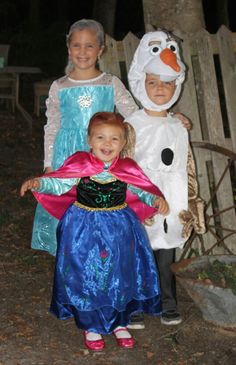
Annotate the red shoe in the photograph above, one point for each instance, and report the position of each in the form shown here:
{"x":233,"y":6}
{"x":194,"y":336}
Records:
{"x":97,"y":345}
{"x":127,"y":342}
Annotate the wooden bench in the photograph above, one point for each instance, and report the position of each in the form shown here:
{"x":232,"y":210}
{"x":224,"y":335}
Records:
{"x":7,"y":80}
{"x":8,"y":89}
{"x":41,"y":89}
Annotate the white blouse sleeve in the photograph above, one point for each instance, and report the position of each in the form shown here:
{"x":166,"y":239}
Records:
{"x":124,"y":101}
{"x":53,"y":123}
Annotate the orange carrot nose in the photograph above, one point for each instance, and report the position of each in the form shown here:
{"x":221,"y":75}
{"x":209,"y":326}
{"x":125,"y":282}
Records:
{"x":170,"y":59}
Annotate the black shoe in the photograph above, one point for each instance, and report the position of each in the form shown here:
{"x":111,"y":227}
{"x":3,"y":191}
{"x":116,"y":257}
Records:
{"x":137,"y":322}
{"x":171,"y":318}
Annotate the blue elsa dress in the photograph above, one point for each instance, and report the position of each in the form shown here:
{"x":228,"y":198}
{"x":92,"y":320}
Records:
{"x":105,"y":269}
{"x":76,"y":103}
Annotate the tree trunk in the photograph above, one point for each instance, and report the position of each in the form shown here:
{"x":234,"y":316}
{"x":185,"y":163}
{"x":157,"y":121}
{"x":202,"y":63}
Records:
{"x":185,"y":16}
{"x":62,"y":11}
{"x":222,"y":13}
{"x":104,"y":11}
{"x":34,"y":15}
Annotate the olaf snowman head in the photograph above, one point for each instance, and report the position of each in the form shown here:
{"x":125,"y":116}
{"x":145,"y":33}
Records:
{"x":158,"y":54}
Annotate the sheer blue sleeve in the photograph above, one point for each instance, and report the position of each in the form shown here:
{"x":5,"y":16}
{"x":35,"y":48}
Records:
{"x":51,"y":185}
{"x":145,"y":197}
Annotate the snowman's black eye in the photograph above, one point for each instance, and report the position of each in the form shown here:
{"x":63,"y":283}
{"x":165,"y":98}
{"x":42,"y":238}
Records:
{"x":173,"y":47}
{"x":155,"y":50}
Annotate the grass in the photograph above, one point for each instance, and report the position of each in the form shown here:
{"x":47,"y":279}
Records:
{"x":221,"y":274}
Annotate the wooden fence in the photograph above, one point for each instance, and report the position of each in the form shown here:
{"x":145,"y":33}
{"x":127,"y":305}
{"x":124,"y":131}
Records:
{"x":209,"y":100}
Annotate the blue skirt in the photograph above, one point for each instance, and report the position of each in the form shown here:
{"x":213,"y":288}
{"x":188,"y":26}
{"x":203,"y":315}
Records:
{"x":105,"y":269}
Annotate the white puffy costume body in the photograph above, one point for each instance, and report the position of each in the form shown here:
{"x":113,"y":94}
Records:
{"x":161,"y":142}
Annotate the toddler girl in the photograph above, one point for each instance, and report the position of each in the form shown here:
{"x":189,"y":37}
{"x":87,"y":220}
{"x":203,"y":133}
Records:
{"x":105,"y":268}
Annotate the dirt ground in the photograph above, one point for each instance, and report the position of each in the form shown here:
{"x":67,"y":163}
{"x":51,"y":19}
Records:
{"x":29,"y":335}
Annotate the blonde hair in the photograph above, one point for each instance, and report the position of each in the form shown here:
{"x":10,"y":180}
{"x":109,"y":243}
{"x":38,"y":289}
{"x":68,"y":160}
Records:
{"x":81,"y":25}
{"x":128,"y":149}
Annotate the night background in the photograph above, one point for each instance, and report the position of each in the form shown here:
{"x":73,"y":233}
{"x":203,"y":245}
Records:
{"x":40,"y":41}
{"x":29,"y":335}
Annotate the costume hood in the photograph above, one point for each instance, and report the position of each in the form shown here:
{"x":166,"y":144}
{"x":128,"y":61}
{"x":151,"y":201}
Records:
{"x":158,"y":54}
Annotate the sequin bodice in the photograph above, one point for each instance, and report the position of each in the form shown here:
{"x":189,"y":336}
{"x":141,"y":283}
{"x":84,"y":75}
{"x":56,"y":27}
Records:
{"x":106,"y":195}
{"x":70,"y":105}
{"x":78,"y":104}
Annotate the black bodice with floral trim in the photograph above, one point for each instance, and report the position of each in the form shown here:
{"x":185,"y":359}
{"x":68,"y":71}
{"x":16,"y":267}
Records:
{"x":101,"y":195}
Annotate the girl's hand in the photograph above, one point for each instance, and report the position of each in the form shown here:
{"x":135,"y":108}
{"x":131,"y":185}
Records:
{"x":184,"y":120}
{"x":162,"y":206}
{"x":28,"y":185}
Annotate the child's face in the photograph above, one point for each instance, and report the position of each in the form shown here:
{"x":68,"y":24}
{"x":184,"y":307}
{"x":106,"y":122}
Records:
{"x":106,"y":141}
{"x":84,"y":49}
{"x":159,"y":92}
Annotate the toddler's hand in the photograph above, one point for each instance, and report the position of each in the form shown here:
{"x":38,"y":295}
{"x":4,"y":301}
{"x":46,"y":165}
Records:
{"x":162,"y":206}
{"x":28,"y":185}
{"x":184,"y":120}
{"x":47,"y":169}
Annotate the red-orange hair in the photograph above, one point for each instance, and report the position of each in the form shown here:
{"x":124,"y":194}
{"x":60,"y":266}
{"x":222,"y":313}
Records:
{"x":107,"y":118}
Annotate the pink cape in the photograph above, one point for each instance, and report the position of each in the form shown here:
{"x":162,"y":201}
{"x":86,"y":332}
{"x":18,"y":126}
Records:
{"x":82,"y":164}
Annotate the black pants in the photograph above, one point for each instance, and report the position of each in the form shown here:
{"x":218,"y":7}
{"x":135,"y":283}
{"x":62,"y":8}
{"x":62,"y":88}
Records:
{"x":164,"y":258}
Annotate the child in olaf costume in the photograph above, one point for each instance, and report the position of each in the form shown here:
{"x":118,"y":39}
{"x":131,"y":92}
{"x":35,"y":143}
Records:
{"x":162,"y":150}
